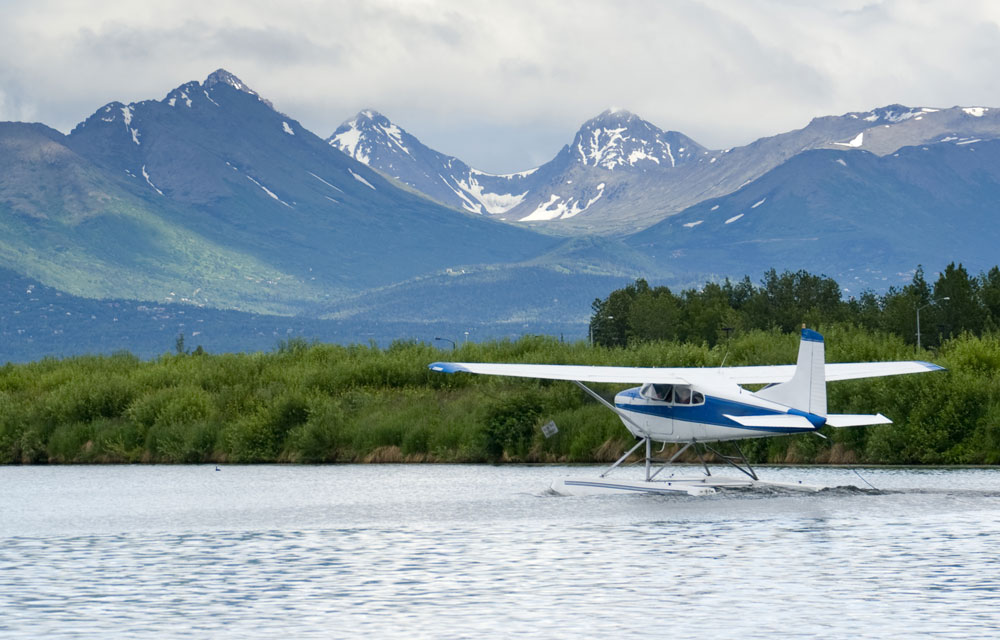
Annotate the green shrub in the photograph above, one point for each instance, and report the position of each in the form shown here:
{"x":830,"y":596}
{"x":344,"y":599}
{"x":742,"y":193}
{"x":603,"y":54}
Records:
{"x":324,"y":403}
{"x":509,"y":425}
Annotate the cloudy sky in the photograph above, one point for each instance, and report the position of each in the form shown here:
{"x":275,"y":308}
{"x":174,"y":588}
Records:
{"x":504,"y":84}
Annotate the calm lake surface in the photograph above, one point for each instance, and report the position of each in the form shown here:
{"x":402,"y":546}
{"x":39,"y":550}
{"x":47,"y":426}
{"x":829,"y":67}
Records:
{"x":426,"y":551}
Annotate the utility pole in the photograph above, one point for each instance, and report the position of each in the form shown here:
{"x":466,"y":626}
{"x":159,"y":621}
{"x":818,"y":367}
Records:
{"x":935,"y":301}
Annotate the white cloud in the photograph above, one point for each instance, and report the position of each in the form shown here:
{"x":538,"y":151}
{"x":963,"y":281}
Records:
{"x":504,"y":84}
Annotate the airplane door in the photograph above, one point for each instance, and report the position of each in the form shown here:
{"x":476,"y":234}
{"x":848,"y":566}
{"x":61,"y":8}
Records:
{"x":657,"y":418}
{"x":660,"y":419}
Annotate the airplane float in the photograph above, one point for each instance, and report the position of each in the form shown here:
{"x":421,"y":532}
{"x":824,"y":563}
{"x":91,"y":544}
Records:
{"x":697,"y":406}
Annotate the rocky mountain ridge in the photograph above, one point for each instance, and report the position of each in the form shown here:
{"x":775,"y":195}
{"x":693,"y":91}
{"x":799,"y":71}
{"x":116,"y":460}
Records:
{"x":622,"y":174}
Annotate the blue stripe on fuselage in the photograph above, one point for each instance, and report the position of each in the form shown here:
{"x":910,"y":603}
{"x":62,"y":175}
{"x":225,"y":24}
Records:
{"x":709,"y":413}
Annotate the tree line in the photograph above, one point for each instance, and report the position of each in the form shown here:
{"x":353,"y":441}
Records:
{"x":957,"y":302}
{"x":314,"y":402}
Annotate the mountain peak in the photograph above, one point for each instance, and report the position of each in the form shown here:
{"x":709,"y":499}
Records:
{"x":223,"y":77}
{"x":891,"y":114}
{"x":368,"y":131}
{"x":370,"y":114}
{"x":615,"y":113}
{"x":619,"y":138}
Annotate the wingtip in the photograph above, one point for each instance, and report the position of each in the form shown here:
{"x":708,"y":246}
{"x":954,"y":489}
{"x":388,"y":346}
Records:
{"x":446,"y":367}
{"x":930,"y":366}
{"x":811,"y":336}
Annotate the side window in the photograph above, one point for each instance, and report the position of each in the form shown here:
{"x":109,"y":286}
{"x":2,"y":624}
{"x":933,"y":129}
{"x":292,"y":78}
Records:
{"x":660,"y":392}
{"x":665,"y":392}
{"x":682,"y":395}
{"x":698,"y":398}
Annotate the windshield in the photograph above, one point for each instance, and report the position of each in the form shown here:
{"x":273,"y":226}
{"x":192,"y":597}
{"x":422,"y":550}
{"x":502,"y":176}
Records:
{"x":672,"y":393}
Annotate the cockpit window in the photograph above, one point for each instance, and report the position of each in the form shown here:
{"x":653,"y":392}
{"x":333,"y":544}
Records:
{"x":664,"y":392}
{"x":674,"y":394}
{"x":682,"y":395}
{"x":659,"y":392}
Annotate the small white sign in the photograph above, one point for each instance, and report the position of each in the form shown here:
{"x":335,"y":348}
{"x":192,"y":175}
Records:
{"x":549,"y":429}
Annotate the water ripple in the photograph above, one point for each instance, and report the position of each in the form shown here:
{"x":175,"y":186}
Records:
{"x":374,"y":557}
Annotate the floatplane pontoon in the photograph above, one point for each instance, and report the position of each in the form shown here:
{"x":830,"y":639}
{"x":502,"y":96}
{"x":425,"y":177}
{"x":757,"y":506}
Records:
{"x":694,"y":407}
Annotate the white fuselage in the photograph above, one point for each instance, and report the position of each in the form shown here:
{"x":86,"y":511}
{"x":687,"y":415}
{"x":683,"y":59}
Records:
{"x":693,"y":412}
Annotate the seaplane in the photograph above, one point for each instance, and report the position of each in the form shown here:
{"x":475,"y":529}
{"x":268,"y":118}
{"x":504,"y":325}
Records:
{"x":698,"y":407}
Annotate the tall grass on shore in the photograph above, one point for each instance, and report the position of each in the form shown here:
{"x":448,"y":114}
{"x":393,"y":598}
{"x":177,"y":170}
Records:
{"x":329,"y":403}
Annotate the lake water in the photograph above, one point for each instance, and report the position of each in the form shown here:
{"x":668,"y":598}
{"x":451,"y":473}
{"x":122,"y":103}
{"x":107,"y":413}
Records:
{"x":428,"y":551}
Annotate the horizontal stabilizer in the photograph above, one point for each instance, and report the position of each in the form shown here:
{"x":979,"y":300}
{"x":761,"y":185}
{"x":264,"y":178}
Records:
{"x":783,"y":420}
{"x":856,"y":420}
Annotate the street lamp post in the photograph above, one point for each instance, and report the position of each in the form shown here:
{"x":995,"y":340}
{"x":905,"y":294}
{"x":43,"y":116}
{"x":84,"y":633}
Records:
{"x":447,"y":340}
{"x":935,"y":301}
{"x":591,"y":327}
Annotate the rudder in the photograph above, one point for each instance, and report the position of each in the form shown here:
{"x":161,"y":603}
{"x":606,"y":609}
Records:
{"x":806,"y":391}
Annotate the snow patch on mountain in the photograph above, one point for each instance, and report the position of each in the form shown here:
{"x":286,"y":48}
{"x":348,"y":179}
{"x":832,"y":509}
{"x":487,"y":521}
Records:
{"x":362,"y":180}
{"x":467,"y":204}
{"x":548,"y":211}
{"x":617,"y":139}
{"x":325,"y":182}
{"x":557,"y":208}
{"x":893,"y":114}
{"x":976,"y":112}
{"x":855,"y":142}
{"x":287,"y":128}
{"x":518,"y":174}
{"x":347,"y":141}
{"x":270,"y":193}
{"x":611,"y":148}
{"x":492,"y":202}
{"x":394,"y":134}
{"x":145,"y":175}
{"x":359,"y":139}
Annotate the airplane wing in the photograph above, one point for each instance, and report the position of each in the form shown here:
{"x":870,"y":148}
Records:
{"x":766,"y":374}
{"x":580,"y":373}
{"x":834,"y":371}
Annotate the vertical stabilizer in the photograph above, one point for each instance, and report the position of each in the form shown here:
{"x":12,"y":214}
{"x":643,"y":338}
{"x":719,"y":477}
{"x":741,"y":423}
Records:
{"x":806,"y":391}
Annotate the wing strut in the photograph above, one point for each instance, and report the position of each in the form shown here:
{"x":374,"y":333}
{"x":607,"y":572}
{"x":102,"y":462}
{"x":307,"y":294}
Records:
{"x":627,"y":454}
{"x":624,"y":416}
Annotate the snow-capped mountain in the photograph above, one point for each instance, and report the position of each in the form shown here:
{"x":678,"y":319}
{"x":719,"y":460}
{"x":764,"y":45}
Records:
{"x":615,"y":143}
{"x":622,"y":173}
{"x":618,"y":139}
{"x":864,"y":219}
{"x":609,"y":156}
{"x":887,"y":129}
{"x":211,"y":196}
{"x":374,"y":140}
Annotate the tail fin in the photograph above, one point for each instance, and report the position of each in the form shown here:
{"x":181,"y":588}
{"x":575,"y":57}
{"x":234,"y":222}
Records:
{"x":806,"y":391}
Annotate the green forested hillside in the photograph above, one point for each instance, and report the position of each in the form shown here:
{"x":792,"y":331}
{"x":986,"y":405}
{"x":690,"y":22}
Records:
{"x":327,"y":403}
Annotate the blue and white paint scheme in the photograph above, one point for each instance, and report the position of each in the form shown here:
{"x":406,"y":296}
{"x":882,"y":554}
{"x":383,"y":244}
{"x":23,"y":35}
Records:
{"x":699,"y":405}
